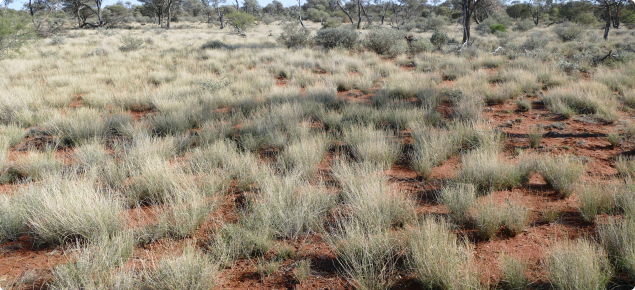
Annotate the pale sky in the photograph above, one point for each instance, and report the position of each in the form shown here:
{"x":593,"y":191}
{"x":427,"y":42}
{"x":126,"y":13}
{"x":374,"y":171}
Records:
{"x":17,"y":4}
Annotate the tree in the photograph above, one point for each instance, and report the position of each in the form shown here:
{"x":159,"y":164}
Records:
{"x":15,"y":32}
{"x":536,"y":9}
{"x":241,"y":20}
{"x":251,"y":6}
{"x":300,"y":12}
{"x":617,"y":12}
{"x":467,"y":8}
{"x":7,"y":2}
{"x":384,"y":7}
{"x":339,"y":4}
{"x":606,"y":6}
{"x":155,"y":7}
{"x":220,"y":11}
{"x":168,"y":4}
{"x":192,"y":7}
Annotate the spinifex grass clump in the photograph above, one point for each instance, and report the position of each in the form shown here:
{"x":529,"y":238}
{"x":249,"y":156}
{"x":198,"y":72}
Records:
{"x":438,"y":258}
{"x":561,"y":172}
{"x":618,"y":238}
{"x":458,"y":198}
{"x":580,"y":264}
{"x":484,"y":168}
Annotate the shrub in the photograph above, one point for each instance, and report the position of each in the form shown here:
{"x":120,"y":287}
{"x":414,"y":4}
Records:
{"x":439,"y":39}
{"x":438,"y":258}
{"x":58,"y":40}
{"x":524,"y":25}
{"x":214,"y":44}
{"x":497,"y":27}
{"x":15,"y":32}
{"x":561,"y":172}
{"x":294,"y":35}
{"x":432,"y":23}
{"x":576,"y":265}
{"x":241,"y":20}
{"x":420,"y":45}
{"x":568,"y":31}
{"x":459,"y":198}
{"x":385,"y":42}
{"x":336,"y":37}
{"x":535,"y":40}
{"x":130,"y":43}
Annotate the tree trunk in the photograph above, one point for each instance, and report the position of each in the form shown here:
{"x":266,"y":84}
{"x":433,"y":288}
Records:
{"x":467,"y":14}
{"x":237,"y":6}
{"x":359,"y":14}
{"x":476,"y":16}
{"x":300,"y":13}
{"x":616,"y":16}
{"x":608,"y":22}
{"x":101,"y":22}
{"x":347,"y":14}
{"x":383,"y":14}
{"x":167,"y":25}
{"x":220,"y":17}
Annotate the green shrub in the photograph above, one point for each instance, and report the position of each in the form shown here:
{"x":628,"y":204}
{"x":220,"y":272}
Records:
{"x":214,"y":44}
{"x":385,"y":42}
{"x":568,"y":31}
{"x":432,"y":23}
{"x":130,"y":43}
{"x":241,"y":20}
{"x":439,"y":39}
{"x":336,"y":37}
{"x":15,"y":32}
{"x":497,"y":27}
{"x":524,"y":25}
{"x":294,"y":35}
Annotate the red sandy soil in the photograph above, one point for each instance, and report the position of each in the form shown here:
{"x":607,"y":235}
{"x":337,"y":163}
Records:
{"x":582,"y":137}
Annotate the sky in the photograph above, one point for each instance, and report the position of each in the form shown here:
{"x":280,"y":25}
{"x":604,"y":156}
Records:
{"x":18,"y":4}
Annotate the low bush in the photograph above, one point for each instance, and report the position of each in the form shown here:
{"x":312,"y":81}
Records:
{"x":439,"y":39}
{"x":432,"y":23}
{"x":524,"y":25}
{"x":385,"y":42}
{"x":336,"y":37}
{"x":497,"y":28}
{"x":568,"y":31}
{"x":215,"y":44}
{"x":294,"y":35}
{"x":536,"y":40}
{"x":130,"y":43}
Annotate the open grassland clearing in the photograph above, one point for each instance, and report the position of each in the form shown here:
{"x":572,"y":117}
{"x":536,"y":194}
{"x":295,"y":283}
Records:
{"x":204,"y":159}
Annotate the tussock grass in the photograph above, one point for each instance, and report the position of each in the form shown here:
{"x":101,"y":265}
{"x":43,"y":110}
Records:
{"x":513,"y":271}
{"x":33,"y":166}
{"x":579,"y":264}
{"x":368,"y":258}
{"x":290,"y":207}
{"x":373,"y":146}
{"x":12,"y":220}
{"x":366,"y":193}
{"x":597,"y":199}
{"x":561,"y":172}
{"x":438,"y":258}
{"x":59,"y":211}
{"x":304,"y":154}
{"x":191,"y":270}
{"x":488,"y":219}
{"x":618,"y":238}
{"x":459,"y":198}
{"x":94,"y":265}
{"x":483,"y":168}
{"x":590,"y":98}
{"x":431,"y":148}
{"x":625,"y":166}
